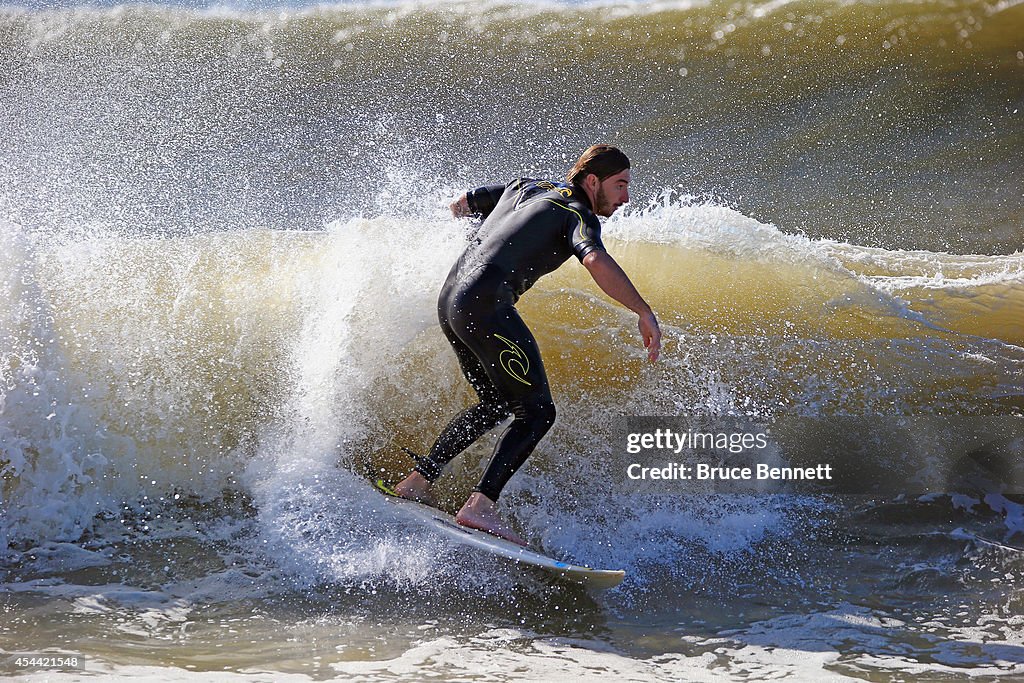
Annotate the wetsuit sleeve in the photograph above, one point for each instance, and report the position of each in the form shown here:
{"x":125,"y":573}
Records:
{"x":586,"y":235}
{"x":482,"y":200}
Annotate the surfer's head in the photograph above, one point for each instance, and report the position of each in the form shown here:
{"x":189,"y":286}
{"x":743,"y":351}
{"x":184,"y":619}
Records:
{"x":602,"y":174}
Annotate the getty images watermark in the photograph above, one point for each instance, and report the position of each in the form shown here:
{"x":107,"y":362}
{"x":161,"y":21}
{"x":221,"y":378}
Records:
{"x":874,"y":454}
{"x":667,"y":440}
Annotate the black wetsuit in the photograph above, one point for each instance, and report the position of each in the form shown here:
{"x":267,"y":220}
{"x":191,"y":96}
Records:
{"x":531,"y":227}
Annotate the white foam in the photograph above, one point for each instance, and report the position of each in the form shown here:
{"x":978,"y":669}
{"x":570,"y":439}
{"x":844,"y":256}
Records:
{"x":363,"y":299}
{"x":63,"y":557}
{"x":718,"y":229}
{"x":505,"y":654}
{"x":835,"y":645}
{"x":1013,"y":512}
{"x":51,"y":442}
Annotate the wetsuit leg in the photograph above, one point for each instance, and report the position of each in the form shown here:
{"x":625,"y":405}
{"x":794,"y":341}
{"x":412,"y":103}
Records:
{"x":517,"y":370}
{"x":473,"y":422}
{"x":500,"y":358}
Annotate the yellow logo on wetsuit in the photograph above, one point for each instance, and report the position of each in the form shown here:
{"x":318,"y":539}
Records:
{"x":513,"y":359}
{"x":548,"y":185}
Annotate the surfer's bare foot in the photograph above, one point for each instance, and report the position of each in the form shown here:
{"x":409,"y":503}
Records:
{"x":416,"y":487}
{"x":479,"y":513}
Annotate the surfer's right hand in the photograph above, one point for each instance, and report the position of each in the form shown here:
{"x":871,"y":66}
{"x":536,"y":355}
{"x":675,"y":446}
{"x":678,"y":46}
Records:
{"x":651,"y":333}
{"x":460,"y":207}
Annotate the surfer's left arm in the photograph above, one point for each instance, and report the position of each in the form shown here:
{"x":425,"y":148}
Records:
{"x":610,"y":277}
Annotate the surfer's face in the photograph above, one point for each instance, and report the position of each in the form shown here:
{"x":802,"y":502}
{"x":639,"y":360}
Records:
{"x":612,"y":192}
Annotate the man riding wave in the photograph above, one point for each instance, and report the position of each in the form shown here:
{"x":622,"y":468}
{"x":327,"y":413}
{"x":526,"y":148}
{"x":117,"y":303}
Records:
{"x":530,"y":227}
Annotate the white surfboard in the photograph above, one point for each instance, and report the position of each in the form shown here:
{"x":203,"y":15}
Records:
{"x":445,"y":523}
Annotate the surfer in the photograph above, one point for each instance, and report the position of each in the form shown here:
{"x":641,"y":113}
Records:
{"x":530,"y":227}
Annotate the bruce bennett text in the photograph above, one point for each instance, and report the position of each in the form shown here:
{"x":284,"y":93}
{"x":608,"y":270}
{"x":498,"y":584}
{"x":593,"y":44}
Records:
{"x":706,"y":472}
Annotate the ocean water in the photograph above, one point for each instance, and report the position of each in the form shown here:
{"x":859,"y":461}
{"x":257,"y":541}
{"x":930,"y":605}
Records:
{"x":222,"y":232}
